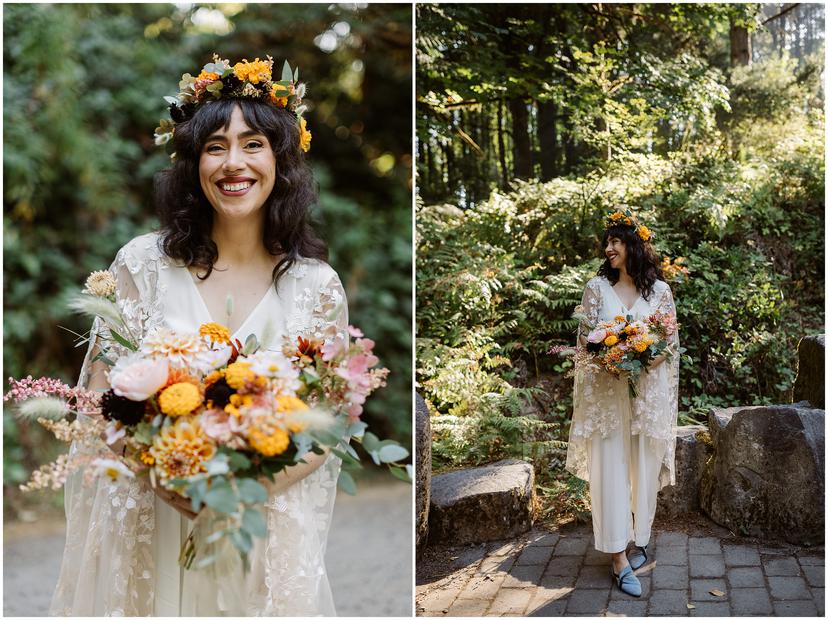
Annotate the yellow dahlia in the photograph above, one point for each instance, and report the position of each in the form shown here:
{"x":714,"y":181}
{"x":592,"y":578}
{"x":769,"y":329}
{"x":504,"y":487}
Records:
{"x":641,"y":346}
{"x":644,"y":233}
{"x":180,"y":450}
{"x":179,"y":399}
{"x":610,"y":340}
{"x":616,"y":216}
{"x":268,"y":443}
{"x":619,"y":318}
{"x":304,"y":135}
{"x":237,"y":374}
{"x":216,"y":332}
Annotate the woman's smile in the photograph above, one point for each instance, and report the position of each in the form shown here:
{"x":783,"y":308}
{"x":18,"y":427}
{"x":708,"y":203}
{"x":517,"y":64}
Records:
{"x":235,"y":186}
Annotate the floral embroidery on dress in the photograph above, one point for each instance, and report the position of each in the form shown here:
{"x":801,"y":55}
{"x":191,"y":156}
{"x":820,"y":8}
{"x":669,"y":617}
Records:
{"x":598,"y":397}
{"x":110,"y":528}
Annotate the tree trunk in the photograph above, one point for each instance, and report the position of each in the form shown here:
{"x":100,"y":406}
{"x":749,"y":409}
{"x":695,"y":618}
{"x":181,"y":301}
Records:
{"x":739,"y":46}
{"x":521,"y":149}
{"x":570,"y":150}
{"x":548,"y":139}
{"x":501,"y":146}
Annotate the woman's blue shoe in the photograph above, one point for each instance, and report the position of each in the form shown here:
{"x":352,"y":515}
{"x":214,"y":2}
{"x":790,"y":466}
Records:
{"x":627,"y":581}
{"x":637,"y":557}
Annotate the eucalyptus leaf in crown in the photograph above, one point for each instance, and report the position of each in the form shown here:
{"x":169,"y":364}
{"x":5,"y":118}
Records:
{"x":243,"y":80}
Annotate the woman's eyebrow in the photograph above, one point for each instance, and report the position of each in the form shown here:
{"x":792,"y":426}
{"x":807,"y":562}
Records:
{"x":242,"y":135}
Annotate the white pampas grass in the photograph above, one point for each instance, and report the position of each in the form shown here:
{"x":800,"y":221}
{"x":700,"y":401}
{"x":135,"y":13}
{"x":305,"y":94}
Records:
{"x":50,"y":407}
{"x":313,"y":419}
{"x":97,"y":306}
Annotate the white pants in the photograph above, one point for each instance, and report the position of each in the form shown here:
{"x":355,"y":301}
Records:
{"x":624,"y":485}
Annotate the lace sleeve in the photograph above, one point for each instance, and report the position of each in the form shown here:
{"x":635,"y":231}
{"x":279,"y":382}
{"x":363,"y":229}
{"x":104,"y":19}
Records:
{"x":591,"y":305}
{"x":666,"y":305}
{"x":330,"y":313}
{"x":127,"y":297}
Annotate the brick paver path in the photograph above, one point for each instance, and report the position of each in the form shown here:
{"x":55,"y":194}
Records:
{"x":550,"y":574}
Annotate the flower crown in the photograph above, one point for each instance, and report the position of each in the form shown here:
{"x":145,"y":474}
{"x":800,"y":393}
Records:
{"x":626,"y":218}
{"x":244,"y":80}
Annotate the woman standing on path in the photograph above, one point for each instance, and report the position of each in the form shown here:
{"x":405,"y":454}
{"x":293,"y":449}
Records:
{"x":624,"y":446}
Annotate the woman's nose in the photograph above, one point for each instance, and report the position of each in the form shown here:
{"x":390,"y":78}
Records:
{"x":233,"y":160}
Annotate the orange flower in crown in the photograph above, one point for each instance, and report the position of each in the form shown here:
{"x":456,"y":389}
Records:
{"x":627,"y":218}
{"x":243,"y":80}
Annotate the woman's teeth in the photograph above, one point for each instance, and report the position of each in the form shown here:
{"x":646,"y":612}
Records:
{"x":235,"y":187}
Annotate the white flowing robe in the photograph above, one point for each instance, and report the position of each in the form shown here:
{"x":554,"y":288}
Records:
{"x":599,"y":397}
{"x":122,"y":542}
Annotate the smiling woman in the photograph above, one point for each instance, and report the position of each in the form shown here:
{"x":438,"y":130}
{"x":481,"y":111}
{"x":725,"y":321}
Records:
{"x":234,"y":214}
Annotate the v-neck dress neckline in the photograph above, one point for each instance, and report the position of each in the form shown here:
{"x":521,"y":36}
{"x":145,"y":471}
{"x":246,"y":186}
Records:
{"x":206,"y":310}
{"x":620,"y":301}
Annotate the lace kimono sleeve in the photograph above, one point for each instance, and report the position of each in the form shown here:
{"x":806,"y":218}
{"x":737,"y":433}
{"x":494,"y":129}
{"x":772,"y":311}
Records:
{"x":107,"y":560}
{"x":591,"y":306}
{"x":101,"y":342}
{"x":330,"y":313}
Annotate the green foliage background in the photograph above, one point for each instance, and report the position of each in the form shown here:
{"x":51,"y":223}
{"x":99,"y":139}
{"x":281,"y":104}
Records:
{"x":724,"y":163}
{"x":83,"y":91}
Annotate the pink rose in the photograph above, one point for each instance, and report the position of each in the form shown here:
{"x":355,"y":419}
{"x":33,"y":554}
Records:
{"x":597,"y":336}
{"x":139,"y":379}
{"x":216,"y":425}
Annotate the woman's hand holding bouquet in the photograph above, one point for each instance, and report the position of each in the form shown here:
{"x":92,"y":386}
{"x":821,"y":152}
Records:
{"x":625,"y":346}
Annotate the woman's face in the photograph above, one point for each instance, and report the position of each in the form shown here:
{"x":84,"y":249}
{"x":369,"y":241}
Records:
{"x":616,"y":252}
{"x":237,"y":169}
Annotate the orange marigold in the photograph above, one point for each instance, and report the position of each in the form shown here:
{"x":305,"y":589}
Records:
{"x":216,"y":332}
{"x":304,"y":136}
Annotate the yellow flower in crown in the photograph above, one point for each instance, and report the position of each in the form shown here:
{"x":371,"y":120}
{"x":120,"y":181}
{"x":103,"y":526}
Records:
{"x":243,"y":80}
{"x":644,"y":233}
{"x":616,"y":216}
{"x":216,"y":332}
{"x":304,"y":135}
{"x":278,"y":96}
{"x":254,"y":72}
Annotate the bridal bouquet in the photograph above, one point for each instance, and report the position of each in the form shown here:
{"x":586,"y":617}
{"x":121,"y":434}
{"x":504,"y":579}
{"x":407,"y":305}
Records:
{"x":209,"y":418}
{"x":625,"y":346}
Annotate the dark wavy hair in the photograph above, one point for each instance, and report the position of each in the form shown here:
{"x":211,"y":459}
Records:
{"x":642,"y":261}
{"x":187,"y":216}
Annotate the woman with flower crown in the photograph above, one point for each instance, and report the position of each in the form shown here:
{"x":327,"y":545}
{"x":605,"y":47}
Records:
{"x":235,"y":248}
{"x":624,"y":445}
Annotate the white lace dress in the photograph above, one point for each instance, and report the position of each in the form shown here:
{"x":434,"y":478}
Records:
{"x":122,"y":542}
{"x":600,"y":399}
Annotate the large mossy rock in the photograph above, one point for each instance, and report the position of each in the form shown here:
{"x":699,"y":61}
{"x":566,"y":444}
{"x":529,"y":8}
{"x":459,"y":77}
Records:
{"x":693,"y":448}
{"x":482,"y":503}
{"x":766,"y":477}
{"x":810,"y":373}
{"x":423,"y":471}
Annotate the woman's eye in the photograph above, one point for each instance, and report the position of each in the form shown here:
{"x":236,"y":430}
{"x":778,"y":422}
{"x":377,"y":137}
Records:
{"x":214,"y":148}
{"x":254,"y":144}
